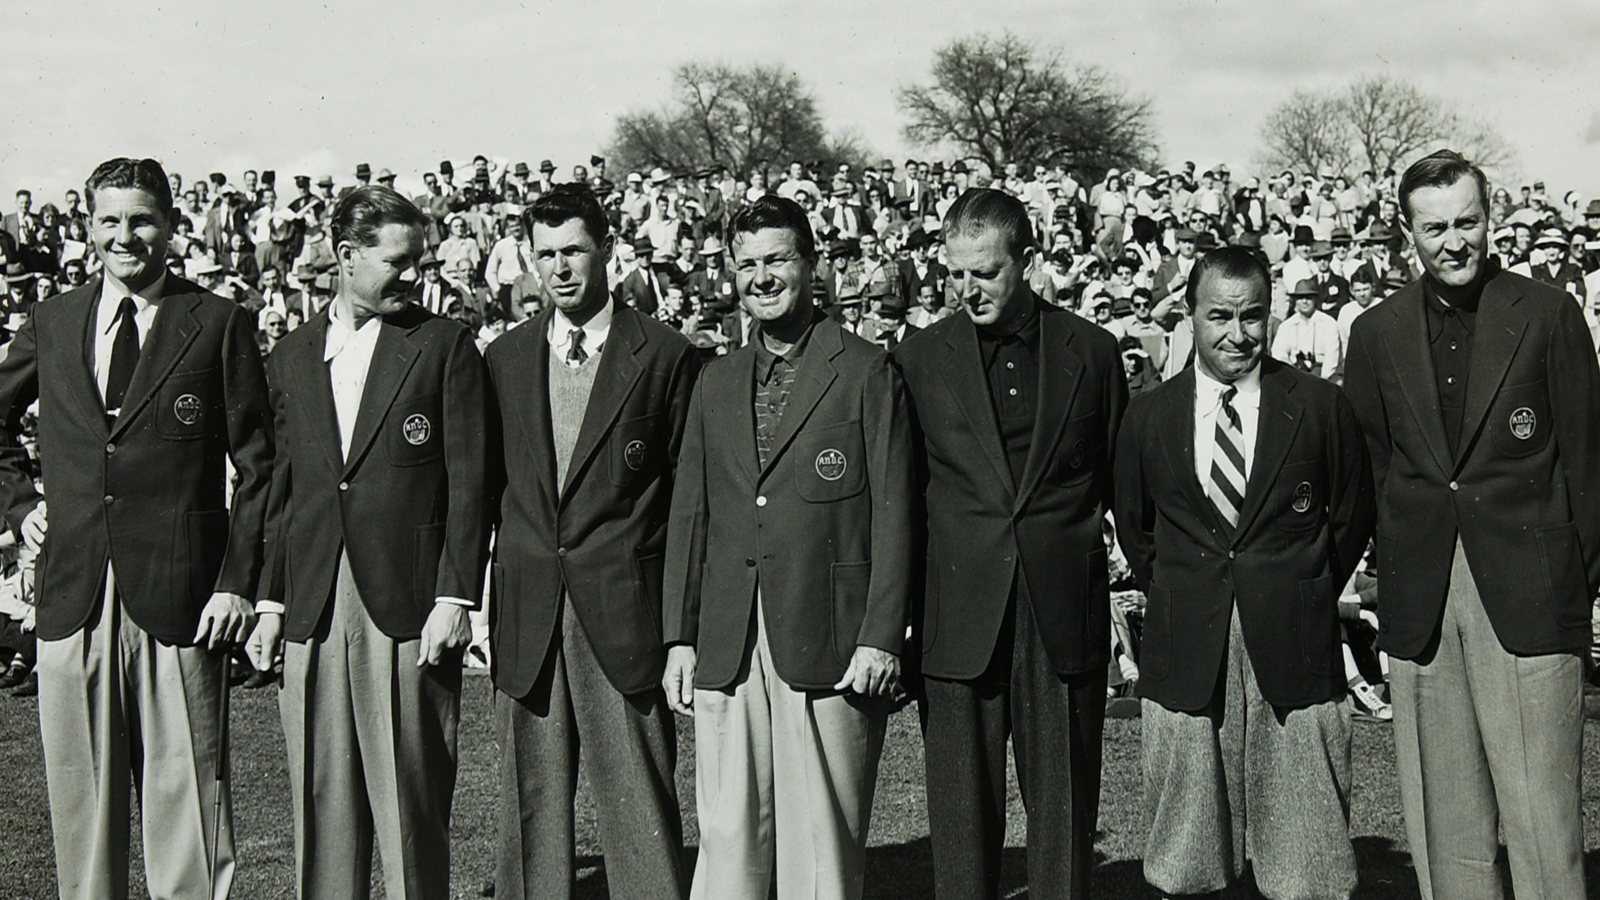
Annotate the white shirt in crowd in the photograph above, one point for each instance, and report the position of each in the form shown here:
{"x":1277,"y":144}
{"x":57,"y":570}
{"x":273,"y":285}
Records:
{"x":1318,"y":336}
{"x":1208,"y":405}
{"x":507,"y":259}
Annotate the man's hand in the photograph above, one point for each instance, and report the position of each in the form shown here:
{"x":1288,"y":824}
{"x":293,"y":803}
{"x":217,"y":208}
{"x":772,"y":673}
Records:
{"x":265,"y":641}
{"x":872,"y":673}
{"x":678,"y":679}
{"x":33,"y":527}
{"x":225,"y":620}
{"x":447,"y":628}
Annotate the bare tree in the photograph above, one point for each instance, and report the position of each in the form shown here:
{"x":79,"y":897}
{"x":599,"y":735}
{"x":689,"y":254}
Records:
{"x":1002,"y":100}
{"x":1308,"y":132}
{"x":734,"y":117}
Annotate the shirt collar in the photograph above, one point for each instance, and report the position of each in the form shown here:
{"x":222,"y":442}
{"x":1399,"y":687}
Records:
{"x":1208,"y":391}
{"x":112,"y":291}
{"x":595,"y":331}
{"x":989,"y":343}
{"x":340,"y":334}
{"x":766,"y":359}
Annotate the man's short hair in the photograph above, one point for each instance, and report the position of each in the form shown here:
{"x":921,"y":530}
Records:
{"x":980,"y":209}
{"x":1232,"y":263}
{"x":130,"y":174}
{"x":24,"y":192}
{"x":362,"y":213}
{"x":1440,"y":169}
{"x":772,"y":211}
{"x":567,"y":201}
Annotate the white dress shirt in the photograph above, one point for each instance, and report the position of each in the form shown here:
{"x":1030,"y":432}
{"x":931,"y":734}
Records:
{"x":595,"y":332}
{"x":1318,"y":336}
{"x":145,"y":304}
{"x":1208,"y":405}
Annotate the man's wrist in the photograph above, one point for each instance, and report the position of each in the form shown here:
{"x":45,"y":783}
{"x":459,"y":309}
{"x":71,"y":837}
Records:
{"x":454,"y":601}
{"x":269,"y":607}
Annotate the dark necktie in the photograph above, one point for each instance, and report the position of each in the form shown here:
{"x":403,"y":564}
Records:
{"x":1227,"y":460}
{"x":576,"y":355}
{"x":124,"y":357}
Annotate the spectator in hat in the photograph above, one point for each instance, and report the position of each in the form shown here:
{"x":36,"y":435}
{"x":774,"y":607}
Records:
{"x":1173,"y":273}
{"x":510,"y":257}
{"x":713,"y":285}
{"x":1332,"y":289}
{"x":1381,"y":260}
{"x":1299,"y":266}
{"x":889,"y":317}
{"x":1555,"y":269}
{"x":1346,"y":259}
{"x":640,"y":287}
{"x":460,"y":245}
{"x":386,"y":178}
{"x":1502,"y":239}
{"x":19,"y":287}
{"x":1309,"y":338}
{"x":919,"y":268}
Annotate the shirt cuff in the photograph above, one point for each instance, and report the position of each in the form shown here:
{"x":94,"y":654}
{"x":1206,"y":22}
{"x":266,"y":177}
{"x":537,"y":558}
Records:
{"x":455,"y":601}
{"x":269,"y":606}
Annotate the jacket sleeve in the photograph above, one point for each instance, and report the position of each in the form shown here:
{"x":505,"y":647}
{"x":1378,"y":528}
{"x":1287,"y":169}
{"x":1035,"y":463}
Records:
{"x":1135,"y":510}
{"x":1366,"y":398}
{"x":251,"y":449}
{"x":886,"y":413}
{"x":686,"y":532}
{"x":1573,"y":376}
{"x":274,"y":564}
{"x":466,"y":462}
{"x":19,"y":387}
{"x":1352,"y":509}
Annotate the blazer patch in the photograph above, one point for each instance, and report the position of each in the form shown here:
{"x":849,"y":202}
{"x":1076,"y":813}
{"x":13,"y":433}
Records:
{"x":187,"y":409}
{"x":1523,"y":422}
{"x":831,"y":464}
{"x":417,"y":429}
{"x":633,"y":455}
{"x":1301,"y":502}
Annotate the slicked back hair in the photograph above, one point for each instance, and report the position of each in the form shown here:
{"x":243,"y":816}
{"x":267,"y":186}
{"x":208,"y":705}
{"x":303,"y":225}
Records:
{"x":130,"y":174}
{"x":1440,"y":169}
{"x":772,"y":211}
{"x":1232,"y":263}
{"x":981,"y":209}
{"x":565,"y":202}
{"x":362,"y":213}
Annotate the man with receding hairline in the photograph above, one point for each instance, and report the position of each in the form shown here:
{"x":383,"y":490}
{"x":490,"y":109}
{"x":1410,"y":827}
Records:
{"x":147,"y":385}
{"x":1479,"y":394}
{"x":1019,"y":405}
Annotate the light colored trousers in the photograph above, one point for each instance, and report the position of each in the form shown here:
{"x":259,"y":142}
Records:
{"x":372,"y":752}
{"x":118,"y":708}
{"x":783,"y":777}
{"x":1484,"y":740}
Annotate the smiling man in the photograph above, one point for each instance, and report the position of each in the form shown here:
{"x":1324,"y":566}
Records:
{"x":592,"y":397}
{"x":1019,"y":405}
{"x":1479,"y":394}
{"x":147,"y":386}
{"x":377,"y":541}
{"x":787,"y":580}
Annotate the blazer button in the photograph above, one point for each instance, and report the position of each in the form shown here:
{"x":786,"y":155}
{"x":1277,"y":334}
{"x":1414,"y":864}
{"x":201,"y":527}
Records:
{"x":1455,"y":485}
{"x":110,"y":499}
{"x":561,"y":552}
{"x":1231,"y":554}
{"x":750,"y":561}
{"x":344,"y":485}
{"x":110,"y":449}
{"x":761,"y":500}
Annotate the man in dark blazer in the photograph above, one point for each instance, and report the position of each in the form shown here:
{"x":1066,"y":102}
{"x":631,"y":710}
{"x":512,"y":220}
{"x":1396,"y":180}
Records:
{"x":1477,"y":390}
{"x":377,"y":543}
{"x":919,"y":268}
{"x":787,"y":580}
{"x":1018,"y":405}
{"x":641,"y":288}
{"x":1244,"y":501}
{"x":147,"y":386}
{"x":592,"y":399}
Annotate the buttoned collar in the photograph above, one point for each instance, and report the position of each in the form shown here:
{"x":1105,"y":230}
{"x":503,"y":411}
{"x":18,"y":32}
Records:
{"x":1208,"y":391}
{"x":111,"y":293}
{"x":595,"y":331}
{"x":340,"y":334}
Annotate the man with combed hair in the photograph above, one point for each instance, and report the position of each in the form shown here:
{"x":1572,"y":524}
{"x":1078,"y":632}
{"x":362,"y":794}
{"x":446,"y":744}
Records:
{"x":592,"y":399}
{"x":147,"y":386}
{"x":1019,"y":405}
{"x":1244,"y":501}
{"x":377,"y":542}
{"x":787,"y":580}
{"x":1480,"y":397}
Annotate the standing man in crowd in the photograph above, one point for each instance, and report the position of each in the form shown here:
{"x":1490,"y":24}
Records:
{"x":1019,"y":404}
{"x":787,"y":580}
{"x":147,"y":386}
{"x":1478,"y":392}
{"x":378,"y":539}
{"x":1244,"y":502}
{"x":592,"y":399}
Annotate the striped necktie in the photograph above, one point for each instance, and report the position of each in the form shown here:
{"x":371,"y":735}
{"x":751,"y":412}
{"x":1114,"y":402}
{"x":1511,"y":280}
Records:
{"x":1227,"y":461}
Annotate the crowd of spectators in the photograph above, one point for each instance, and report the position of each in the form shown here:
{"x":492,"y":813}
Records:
{"x":1117,"y":251}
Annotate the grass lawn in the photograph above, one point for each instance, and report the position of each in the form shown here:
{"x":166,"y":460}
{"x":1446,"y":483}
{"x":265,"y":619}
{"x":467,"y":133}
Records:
{"x":898,"y":864}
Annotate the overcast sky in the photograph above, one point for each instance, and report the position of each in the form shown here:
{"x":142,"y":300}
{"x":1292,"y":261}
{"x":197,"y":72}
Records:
{"x":310,"y":87}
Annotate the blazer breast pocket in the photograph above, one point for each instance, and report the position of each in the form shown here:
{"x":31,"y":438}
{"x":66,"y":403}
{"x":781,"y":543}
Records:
{"x":636,"y":450}
{"x":1519,"y":419}
{"x":188,"y":406}
{"x":830,"y":463}
{"x":1078,"y":451}
{"x":414,"y":437}
{"x":1300,"y":496}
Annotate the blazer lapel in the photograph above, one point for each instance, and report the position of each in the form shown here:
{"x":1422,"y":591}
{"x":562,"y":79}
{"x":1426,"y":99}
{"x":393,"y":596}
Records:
{"x":1180,"y":452}
{"x":530,"y":376}
{"x":741,"y":399}
{"x":80,"y":313}
{"x":392,"y":359}
{"x":1412,"y":361}
{"x":174,"y":329}
{"x":964,"y":377}
{"x":1500,"y":327}
{"x":1060,"y":370}
{"x":310,"y":374}
{"x":810,"y":383}
{"x":619,"y":372}
{"x":1276,"y":424}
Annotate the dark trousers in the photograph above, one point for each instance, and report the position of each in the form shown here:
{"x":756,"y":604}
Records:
{"x":630,"y":751}
{"x":1055,"y":725}
{"x":12,"y":637}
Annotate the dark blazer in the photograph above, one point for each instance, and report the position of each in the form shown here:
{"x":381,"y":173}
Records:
{"x":635,"y":292}
{"x":1307,"y":516}
{"x":408,"y":505}
{"x":1332,"y":294}
{"x":911,"y":283}
{"x":717,"y":295}
{"x":1524,"y":492}
{"x":825,"y":526}
{"x":601,"y":537}
{"x":149,"y":492}
{"x":987,"y":528}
